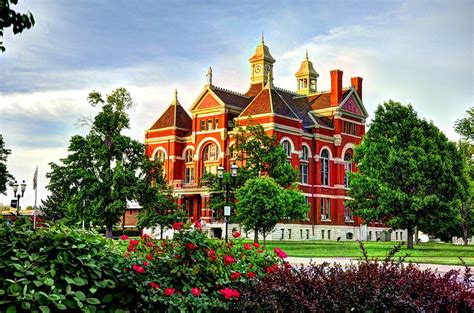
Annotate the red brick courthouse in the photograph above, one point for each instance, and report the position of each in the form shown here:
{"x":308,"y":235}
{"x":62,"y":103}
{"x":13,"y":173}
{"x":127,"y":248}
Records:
{"x":318,"y":130}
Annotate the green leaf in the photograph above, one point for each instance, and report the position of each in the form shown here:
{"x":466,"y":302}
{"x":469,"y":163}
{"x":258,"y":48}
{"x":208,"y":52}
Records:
{"x":54,"y":297}
{"x":80,"y":295}
{"x":107,"y":298}
{"x":93,"y":301}
{"x":68,"y":289}
{"x":11,"y":309}
{"x":53,"y":273}
{"x":44,"y":309}
{"x":49,"y":281}
{"x":79,"y":281}
{"x":61,"y":306}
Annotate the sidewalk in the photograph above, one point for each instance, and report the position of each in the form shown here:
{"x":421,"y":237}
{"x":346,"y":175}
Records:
{"x":442,"y":269}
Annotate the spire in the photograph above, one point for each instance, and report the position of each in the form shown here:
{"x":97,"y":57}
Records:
{"x":209,"y":76}
{"x":175,"y":99}
{"x":263,"y":39}
{"x":307,"y":54}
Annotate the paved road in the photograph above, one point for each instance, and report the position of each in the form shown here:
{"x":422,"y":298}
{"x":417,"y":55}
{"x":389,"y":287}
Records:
{"x":435,"y":267}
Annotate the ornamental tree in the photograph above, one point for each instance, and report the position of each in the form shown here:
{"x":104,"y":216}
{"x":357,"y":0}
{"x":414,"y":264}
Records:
{"x":102,"y":171}
{"x":262,"y":203}
{"x":409,"y":174}
{"x":9,"y":17}
{"x":159,"y":205}
{"x":5,"y":176}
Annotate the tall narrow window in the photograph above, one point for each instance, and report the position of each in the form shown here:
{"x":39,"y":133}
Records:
{"x":347,"y":168}
{"x":188,"y":156}
{"x":209,"y":124}
{"x":160,"y":155}
{"x":210,"y":158}
{"x":304,"y":165}
{"x":189,"y":167}
{"x":325,"y":209}
{"x":325,"y":167}
{"x":287,"y":147}
{"x":203,"y":125}
{"x":348,"y":214}
{"x":216,"y":123}
{"x":189,"y":175}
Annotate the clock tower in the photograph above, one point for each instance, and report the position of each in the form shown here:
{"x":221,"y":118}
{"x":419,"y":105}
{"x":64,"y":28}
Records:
{"x":261,"y":64}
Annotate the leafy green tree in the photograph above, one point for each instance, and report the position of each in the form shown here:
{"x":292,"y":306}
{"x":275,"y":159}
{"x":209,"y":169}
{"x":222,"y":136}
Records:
{"x":409,"y":174}
{"x":9,"y":17}
{"x":262,"y":203}
{"x":102,"y":171}
{"x":465,"y":128}
{"x":159,"y":205}
{"x":5,"y":176}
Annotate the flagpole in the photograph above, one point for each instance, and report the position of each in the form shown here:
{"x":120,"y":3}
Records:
{"x":35,"y":185}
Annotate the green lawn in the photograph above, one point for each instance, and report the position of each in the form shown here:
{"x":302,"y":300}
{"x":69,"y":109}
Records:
{"x":435,"y":253}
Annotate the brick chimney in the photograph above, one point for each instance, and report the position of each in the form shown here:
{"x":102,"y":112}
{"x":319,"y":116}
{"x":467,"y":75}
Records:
{"x":356,"y":82}
{"x":336,"y":87}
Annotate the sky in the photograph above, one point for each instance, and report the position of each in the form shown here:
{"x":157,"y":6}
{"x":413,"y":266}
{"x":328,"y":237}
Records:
{"x":418,"y":52}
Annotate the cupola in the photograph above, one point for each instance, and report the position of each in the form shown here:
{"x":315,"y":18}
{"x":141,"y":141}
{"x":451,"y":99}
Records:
{"x":306,"y":77}
{"x":261,"y":63}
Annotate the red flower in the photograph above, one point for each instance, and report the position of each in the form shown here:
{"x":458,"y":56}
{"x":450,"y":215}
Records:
{"x":198,"y":225}
{"x":229,"y":293}
{"x":247,"y":246}
{"x":134,"y":242}
{"x":279,"y":252}
{"x":234,"y":276}
{"x":124,"y":237}
{"x":236,"y":234}
{"x":130,"y":248}
{"x":256,"y":245}
{"x":196,"y":291}
{"x":178,"y":225}
{"x":212,"y":255}
{"x":228,"y":260}
{"x":139,"y":269}
{"x":149,"y":244}
{"x":145,"y":263}
{"x":191,"y":246}
{"x":169,"y":292}
{"x":251,"y":275}
{"x":235,"y":293}
{"x":154,"y":285}
{"x":149,"y":257}
{"x":144,"y":236}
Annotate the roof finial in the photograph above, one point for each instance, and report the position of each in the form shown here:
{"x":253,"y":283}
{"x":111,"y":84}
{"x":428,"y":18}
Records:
{"x":209,"y":76}
{"x":306,"y":53}
{"x":176,"y":94}
{"x":263,"y":39}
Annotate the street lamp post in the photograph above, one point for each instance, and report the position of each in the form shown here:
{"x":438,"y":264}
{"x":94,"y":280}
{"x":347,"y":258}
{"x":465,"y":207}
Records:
{"x":18,"y":195}
{"x":228,"y":187}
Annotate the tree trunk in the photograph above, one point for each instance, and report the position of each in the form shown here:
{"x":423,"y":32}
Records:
{"x":410,"y":237}
{"x":108,"y":231}
{"x":264,"y":240}
{"x":161,"y":232}
{"x":464,"y":232}
{"x":255,"y":236}
{"x":416,"y":235}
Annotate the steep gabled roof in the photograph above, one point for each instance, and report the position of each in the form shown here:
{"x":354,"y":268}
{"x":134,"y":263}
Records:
{"x":174,"y":116}
{"x":254,"y":90}
{"x":269,"y":101}
{"x":231,"y":97}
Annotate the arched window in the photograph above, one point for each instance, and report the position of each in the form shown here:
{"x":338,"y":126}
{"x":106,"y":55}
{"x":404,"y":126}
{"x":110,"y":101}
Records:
{"x":189,"y":166}
{"x":347,"y":168}
{"x":325,"y":167}
{"x":188,"y":156}
{"x":210,"y":152}
{"x":287,"y":147}
{"x":210,"y":158}
{"x":160,"y":155}
{"x":304,"y":165}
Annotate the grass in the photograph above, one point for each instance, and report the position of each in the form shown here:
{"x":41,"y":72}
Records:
{"x":434,"y":253}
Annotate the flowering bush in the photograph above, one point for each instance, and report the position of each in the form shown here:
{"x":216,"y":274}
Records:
{"x":192,"y":272}
{"x":370,"y":286}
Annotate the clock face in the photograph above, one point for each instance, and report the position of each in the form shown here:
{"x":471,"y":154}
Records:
{"x":258,"y":68}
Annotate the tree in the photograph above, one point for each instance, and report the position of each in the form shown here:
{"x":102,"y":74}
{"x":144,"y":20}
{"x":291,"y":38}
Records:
{"x":102,"y":171}
{"x":262,"y":203}
{"x":465,"y":128}
{"x":9,"y":17}
{"x":159,"y":205}
{"x":5,"y":176}
{"x":262,"y":154}
{"x":409,"y":174}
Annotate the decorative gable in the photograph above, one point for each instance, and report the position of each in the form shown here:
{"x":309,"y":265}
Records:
{"x":350,"y":105}
{"x":208,"y":102}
